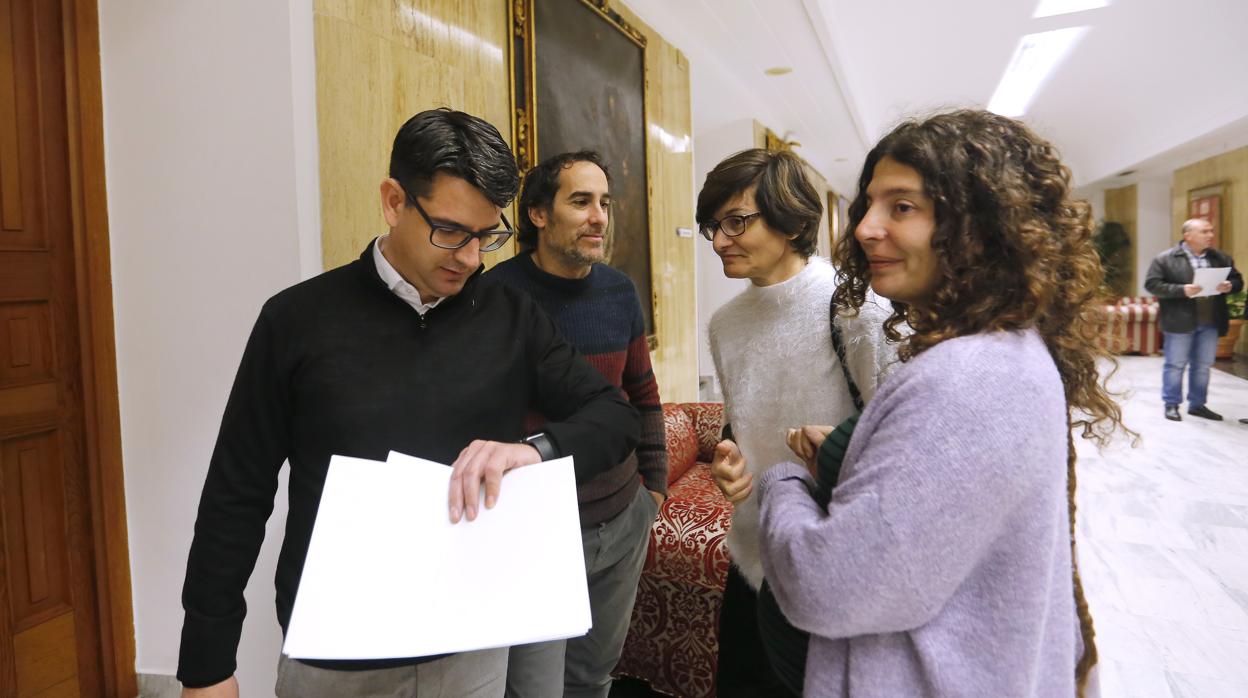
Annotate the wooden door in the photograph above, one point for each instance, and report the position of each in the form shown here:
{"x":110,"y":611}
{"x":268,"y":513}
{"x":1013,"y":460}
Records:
{"x":49,"y":626}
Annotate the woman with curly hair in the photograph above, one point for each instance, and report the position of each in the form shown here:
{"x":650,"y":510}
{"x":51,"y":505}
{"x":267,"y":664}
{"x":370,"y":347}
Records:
{"x":944,"y":562}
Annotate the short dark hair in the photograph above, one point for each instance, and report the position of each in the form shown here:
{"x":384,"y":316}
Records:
{"x":540,"y":186}
{"x":459,"y":144}
{"x":785,"y":196}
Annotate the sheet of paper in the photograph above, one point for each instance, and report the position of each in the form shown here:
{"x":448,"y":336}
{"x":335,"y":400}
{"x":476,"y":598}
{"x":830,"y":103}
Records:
{"x":1208,"y":279}
{"x":388,"y":575}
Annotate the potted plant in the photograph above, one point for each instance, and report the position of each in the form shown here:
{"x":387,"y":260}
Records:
{"x":1113,"y":246}
{"x":1235,"y":309}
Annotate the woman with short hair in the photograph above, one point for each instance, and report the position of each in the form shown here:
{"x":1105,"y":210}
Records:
{"x":774,"y":355}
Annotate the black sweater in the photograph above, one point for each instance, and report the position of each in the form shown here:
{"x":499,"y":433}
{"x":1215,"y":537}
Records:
{"x":339,"y":365}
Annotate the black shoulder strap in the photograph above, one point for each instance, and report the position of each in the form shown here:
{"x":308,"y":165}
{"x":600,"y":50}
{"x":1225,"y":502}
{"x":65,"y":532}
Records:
{"x":838,"y":344}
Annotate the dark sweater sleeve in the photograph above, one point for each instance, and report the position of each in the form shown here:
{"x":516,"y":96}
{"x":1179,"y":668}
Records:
{"x":236,"y":502}
{"x":643,"y":392}
{"x":589,"y":418}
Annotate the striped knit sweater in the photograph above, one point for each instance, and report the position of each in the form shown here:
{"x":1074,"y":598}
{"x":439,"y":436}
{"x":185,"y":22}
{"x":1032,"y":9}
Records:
{"x":600,"y":315}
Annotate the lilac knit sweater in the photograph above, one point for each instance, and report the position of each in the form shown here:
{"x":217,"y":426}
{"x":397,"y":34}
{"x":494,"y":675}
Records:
{"x":942,"y":565}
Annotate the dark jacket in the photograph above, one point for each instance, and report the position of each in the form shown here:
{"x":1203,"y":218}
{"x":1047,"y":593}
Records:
{"x":340,"y":365}
{"x":1170,"y":272}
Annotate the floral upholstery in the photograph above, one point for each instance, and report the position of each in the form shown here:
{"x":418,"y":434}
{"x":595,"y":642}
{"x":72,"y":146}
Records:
{"x":708,"y":420}
{"x":682,"y":442}
{"x":672,"y":641}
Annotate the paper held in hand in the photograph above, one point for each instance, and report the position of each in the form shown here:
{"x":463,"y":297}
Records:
{"x":388,"y":575}
{"x":1208,"y":279}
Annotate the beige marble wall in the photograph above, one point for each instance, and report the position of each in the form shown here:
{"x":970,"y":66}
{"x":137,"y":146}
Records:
{"x":378,"y":62}
{"x":1230,"y":169}
{"x":1121,"y":206}
{"x":669,"y":160}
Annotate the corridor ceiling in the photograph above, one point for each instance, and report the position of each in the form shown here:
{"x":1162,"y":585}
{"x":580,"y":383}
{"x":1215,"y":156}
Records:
{"x":1150,"y":85}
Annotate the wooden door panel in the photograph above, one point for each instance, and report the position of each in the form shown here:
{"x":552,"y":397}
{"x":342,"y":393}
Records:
{"x":34,"y":522}
{"x":20,"y":130}
{"x":10,"y":164}
{"x":49,"y":655}
{"x":25,"y":343}
{"x":49,"y":632}
{"x":27,"y":402}
{"x":24,"y":276}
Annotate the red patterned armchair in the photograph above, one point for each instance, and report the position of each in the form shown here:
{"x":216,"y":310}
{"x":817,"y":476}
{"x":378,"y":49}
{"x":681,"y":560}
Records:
{"x":672,"y":640}
{"x":1130,"y":326}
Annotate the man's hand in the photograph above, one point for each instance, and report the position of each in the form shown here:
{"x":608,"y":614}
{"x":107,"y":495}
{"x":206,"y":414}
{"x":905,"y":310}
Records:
{"x":805,"y":442}
{"x":1224,"y":287}
{"x":728,"y":470}
{"x":226,"y":689}
{"x":1191,"y":290}
{"x":484,"y":461}
{"x":659,"y":498}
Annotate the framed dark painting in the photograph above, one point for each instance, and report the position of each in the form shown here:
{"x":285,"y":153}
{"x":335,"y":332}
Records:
{"x":579,"y":82}
{"x":1208,"y":203}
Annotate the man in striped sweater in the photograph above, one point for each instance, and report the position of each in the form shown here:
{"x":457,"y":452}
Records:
{"x":564,"y":211}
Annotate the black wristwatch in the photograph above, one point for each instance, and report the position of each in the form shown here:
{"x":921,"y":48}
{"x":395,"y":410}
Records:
{"x":541,"y":441}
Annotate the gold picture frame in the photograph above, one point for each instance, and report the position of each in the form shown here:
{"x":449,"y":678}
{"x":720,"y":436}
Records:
{"x":598,"y":102}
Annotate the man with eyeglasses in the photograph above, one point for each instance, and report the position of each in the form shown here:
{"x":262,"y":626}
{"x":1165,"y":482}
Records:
{"x":403,"y":349}
{"x":564,"y":214}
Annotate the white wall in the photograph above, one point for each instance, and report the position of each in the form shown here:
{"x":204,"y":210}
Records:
{"x":1096,"y":198}
{"x":1152,"y":224}
{"x":213,"y":206}
{"x":710,"y":146}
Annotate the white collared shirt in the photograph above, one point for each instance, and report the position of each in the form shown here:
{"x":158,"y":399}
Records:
{"x":397,"y":284}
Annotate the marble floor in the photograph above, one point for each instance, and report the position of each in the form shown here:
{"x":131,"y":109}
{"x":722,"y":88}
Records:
{"x":1163,"y":543}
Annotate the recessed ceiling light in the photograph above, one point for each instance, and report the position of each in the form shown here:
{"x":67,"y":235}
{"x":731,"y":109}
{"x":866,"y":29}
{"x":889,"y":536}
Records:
{"x":778,"y":70}
{"x":1034,"y":59}
{"x":1052,"y":8}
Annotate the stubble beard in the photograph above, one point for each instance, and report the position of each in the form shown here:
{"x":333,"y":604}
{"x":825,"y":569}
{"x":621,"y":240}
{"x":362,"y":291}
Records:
{"x":572,"y":254}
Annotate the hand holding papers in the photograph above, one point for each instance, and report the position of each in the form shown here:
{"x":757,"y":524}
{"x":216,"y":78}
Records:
{"x":388,"y":575}
{"x":484,"y":461}
{"x":1208,"y":279}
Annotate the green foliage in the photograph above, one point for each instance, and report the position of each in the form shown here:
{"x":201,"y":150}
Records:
{"x":1113,"y":245}
{"x":1235,"y":303}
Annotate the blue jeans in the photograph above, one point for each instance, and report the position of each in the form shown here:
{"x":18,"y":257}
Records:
{"x":1181,"y":348}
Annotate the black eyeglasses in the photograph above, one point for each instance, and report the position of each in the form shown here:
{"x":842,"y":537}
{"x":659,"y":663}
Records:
{"x":450,"y":237}
{"x":731,"y":225}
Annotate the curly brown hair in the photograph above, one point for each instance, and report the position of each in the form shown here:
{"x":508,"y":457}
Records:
{"x":1014,"y":252}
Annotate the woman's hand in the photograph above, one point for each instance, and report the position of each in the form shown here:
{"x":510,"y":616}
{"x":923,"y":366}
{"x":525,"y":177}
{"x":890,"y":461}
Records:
{"x":805,"y":442}
{"x":728,"y":470}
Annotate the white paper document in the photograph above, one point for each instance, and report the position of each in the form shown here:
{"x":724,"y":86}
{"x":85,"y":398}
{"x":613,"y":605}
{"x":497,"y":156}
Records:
{"x":388,"y":575}
{"x":1208,"y":279}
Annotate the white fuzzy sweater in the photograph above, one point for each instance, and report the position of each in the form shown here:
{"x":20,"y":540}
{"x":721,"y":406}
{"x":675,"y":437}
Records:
{"x":772,"y":347}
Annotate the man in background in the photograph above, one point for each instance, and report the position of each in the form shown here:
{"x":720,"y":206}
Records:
{"x":564,"y":213}
{"x":1191,"y":324}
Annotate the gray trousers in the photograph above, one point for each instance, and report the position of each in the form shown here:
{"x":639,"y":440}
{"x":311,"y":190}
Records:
{"x":615,"y":552}
{"x":480,"y":674}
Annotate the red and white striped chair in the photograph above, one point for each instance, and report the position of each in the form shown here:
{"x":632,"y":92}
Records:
{"x":1130,"y":326}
